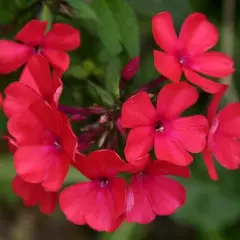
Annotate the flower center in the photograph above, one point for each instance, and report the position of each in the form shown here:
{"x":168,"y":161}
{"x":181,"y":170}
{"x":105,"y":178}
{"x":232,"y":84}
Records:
{"x":37,"y":49}
{"x":159,"y":126}
{"x":103,"y":182}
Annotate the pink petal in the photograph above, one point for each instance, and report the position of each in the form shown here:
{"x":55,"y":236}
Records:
{"x":57,"y":172}
{"x":32,"y":33}
{"x":214,"y":64}
{"x":164,"y":32}
{"x":168,"y":65}
{"x":58,"y":87}
{"x":188,"y":28}
{"x":204,"y":36}
{"x":171,"y":151}
{"x":40,"y":70}
{"x":226,"y":151}
{"x":138,"y":111}
{"x":158,"y":168}
{"x":32,"y":162}
{"x":58,"y":59}
{"x":48,"y":202}
{"x":98,"y":164}
{"x":139,"y":142}
{"x":62,"y":37}
{"x":27,"y":79}
{"x":18,"y":98}
{"x":25,"y":128}
{"x":49,"y":117}
{"x":75,"y":200}
{"x":108,"y":205}
{"x":29,"y":192}
{"x":202,"y":82}
{"x":166,"y":194}
{"x":13,"y":56}
{"x":138,"y":205}
{"x":208,"y":160}
{"x":190,"y":132}
{"x":174,"y":99}
{"x":212,"y":108}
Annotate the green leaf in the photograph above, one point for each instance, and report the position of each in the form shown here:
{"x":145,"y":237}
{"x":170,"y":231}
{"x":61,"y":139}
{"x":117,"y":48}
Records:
{"x":112,"y":76}
{"x":107,"y":29}
{"x":100,"y":94}
{"x":82,"y":10}
{"x":46,"y":15}
{"x":208,"y":206}
{"x":127,"y":24}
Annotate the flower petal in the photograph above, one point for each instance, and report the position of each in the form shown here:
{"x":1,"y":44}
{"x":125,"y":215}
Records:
{"x":164,"y":32}
{"x":40,"y":70}
{"x":108,"y":205}
{"x":74,"y":203}
{"x":214,"y":64}
{"x":29,"y":192}
{"x":168,"y":65}
{"x":139,"y":142}
{"x":190,"y":24}
{"x":100,"y":163}
{"x":171,"y":151}
{"x":202,"y":82}
{"x":57,"y":172}
{"x":158,"y":168}
{"x":228,"y":157}
{"x":138,"y":111}
{"x":18,"y":98}
{"x":59,"y":60}
{"x":175,"y":98}
{"x":190,"y":132}
{"x":208,"y":160}
{"x":212,"y":108}
{"x":25,"y":128}
{"x":13,"y":56}
{"x":62,"y":37}
{"x":32,"y":33}
{"x":204,"y":36}
{"x":138,"y":205}
{"x":167,"y":195}
{"x":32,"y":162}
{"x":48,"y":202}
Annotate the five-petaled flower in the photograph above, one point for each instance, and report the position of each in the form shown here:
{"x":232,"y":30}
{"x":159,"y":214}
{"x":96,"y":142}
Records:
{"x":46,"y":145}
{"x":100,"y":203}
{"x":151,"y":192}
{"x":187,"y":53}
{"x":172,"y":136}
{"x":223,"y":136}
{"x":53,"y":45}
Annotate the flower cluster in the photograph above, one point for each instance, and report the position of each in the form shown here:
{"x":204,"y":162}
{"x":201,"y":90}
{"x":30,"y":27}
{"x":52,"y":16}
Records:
{"x":159,"y":141}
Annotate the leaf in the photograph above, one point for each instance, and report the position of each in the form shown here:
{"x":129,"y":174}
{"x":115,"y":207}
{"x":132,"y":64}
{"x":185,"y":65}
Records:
{"x":107,"y":29}
{"x":46,"y":15}
{"x":112,"y":76}
{"x":208,"y":206}
{"x":82,"y":10}
{"x":127,"y":24}
{"x":100,"y":94}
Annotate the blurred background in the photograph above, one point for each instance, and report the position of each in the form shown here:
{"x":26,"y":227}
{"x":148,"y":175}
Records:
{"x":113,"y":32}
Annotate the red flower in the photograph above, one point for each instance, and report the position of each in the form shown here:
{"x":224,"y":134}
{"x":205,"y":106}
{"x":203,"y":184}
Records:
{"x":151,"y":193}
{"x":188,"y":52}
{"x":34,"y":194}
{"x":53,"y":45}
{"x":36,"y":82}
{"x":46,"y":145}
{"x":172,"y":136}
{"x":224,"y":135}
{"x":101,"y":202}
